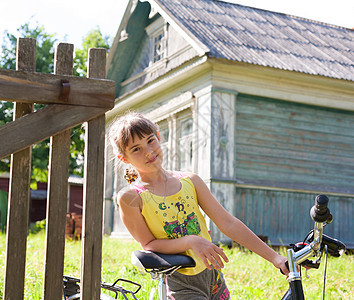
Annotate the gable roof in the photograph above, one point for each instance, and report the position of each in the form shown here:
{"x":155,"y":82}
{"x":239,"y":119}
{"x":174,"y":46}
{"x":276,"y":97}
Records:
{"x":245,"y":34}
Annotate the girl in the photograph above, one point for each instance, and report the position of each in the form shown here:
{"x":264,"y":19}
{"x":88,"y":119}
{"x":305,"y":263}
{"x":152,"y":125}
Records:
{"x":162,"y":213}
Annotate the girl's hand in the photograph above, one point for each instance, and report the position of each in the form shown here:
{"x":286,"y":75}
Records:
{"x":279,"y":263}
{"x":211,"y":255}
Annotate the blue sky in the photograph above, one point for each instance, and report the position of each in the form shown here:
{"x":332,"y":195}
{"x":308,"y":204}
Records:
{"x":72,"y":20}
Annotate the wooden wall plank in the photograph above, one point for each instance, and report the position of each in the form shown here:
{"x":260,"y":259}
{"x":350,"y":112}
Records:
{"x":19,"y":193}
{"x":283,"y":216}
{"x":45,"y":88}
{"x":290,"y":145}
{"x":91,"y":251}
{"x":57,"y":192}
{"x":42,"y":124}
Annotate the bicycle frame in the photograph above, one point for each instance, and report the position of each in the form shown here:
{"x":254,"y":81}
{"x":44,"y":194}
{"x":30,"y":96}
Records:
{"x":71,"y":289}
{"x":295,"y":291}
{"x":162,"y":278}
{"x":160,"y":266}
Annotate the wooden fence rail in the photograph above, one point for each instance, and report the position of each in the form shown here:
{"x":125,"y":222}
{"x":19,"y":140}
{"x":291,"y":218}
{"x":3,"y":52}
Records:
{"x":71,"y":101}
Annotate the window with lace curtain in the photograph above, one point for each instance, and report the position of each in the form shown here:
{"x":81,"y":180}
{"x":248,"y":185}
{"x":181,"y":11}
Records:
{"x":177,"y":142}
{"x":158,"y":47}
{"x":157,"y":34}
{"x":164,"y":140}
{"x":185,"y":144}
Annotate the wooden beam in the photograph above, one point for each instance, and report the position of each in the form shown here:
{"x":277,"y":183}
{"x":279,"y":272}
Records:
{"x":91,"y":251}
{"x":19,"y":193}
{"x":42,"y":124}
{"x":22,"y":86}
{"x":58,"y":174}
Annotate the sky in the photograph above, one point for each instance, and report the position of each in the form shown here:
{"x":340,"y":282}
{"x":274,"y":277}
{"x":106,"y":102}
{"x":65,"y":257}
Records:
{"x":72,"y":20}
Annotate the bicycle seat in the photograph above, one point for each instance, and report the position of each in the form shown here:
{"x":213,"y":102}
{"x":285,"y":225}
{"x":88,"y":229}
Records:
{"x":157,"y":262}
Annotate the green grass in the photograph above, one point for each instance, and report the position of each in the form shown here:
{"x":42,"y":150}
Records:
{"x":247,"y":275}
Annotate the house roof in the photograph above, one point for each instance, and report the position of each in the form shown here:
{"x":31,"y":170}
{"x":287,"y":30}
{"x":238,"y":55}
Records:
{"x":245,"y":34}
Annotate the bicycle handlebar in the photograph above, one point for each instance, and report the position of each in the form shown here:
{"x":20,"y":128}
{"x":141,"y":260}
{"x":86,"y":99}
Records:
{"x":313,"y":246}
{"x":315,"y":240}
{"x":320,"y":212}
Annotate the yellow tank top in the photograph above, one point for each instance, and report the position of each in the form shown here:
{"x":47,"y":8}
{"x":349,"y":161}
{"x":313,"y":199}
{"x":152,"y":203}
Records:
{"x":175,"y":216}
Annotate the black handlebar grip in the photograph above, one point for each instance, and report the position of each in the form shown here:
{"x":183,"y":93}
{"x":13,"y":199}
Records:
{"x":320,"y":212}
{"x":287,"y":266}
{"x":321,"y":202}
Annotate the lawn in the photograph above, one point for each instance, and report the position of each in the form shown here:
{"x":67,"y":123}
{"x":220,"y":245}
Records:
{"x":248,"y":276}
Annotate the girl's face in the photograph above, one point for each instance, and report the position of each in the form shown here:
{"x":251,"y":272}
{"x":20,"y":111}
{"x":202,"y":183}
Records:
{"x":144,"y":153}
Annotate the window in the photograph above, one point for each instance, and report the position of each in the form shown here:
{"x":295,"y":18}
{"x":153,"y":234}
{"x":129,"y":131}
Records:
{"x":185,"y":144}
{"x":164,"y":135}
{"x":158,"y":48}
{"x":157,"y":35}
{"x":175,"y":119}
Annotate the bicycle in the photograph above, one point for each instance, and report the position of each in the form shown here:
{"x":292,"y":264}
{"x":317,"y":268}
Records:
{"x":314,"y":245}
{"x":71,"y":289}
{"x":160,"y":266}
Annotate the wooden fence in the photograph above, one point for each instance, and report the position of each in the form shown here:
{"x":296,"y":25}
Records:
{"x":70,"y":101}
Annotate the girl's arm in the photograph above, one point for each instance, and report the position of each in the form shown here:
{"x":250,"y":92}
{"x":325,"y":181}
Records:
{"x":130,"y":210}
{"x":233,"y":227}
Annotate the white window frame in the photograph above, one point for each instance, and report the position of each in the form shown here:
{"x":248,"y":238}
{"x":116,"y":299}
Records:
{"x":154,"y":31}
{"x":164,"y":131}
{"x":171,"y":114}
{"x":185,"y":148}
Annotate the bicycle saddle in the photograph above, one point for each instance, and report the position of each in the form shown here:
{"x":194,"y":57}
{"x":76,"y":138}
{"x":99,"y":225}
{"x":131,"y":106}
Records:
{"x":149,"y":260}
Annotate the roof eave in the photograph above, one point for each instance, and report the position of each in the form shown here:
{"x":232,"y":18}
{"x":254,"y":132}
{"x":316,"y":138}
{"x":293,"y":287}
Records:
{"x":160,"y":84}
{"x":201,"y":48}
{"x":128,"y":11}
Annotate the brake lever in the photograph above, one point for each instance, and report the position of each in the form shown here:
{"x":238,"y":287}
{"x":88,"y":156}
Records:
{"x":308,"y":264}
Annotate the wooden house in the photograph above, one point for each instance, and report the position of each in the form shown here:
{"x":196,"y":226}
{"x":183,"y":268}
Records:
{"x":260,"y":104}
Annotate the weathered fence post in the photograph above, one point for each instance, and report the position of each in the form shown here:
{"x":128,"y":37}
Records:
{"x":91,"y":253}
{"x":19,"y":193}
{"x":70,"y":101}
{"x":57,"y":191}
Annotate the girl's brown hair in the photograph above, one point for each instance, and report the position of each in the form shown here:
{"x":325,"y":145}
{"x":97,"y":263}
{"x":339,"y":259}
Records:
{"x":129,"y":126}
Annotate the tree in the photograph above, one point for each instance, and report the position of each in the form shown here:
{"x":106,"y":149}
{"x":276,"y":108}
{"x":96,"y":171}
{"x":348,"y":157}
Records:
{"x":45,"y":64}
{"x":44,"y":50}
{"x":5,"y":117}
{"x":94,"y":39}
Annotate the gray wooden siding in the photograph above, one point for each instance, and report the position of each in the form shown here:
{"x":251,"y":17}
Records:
{"x":283,"y":216}
{"x":290,"y":145}
{"x":270,"y":158}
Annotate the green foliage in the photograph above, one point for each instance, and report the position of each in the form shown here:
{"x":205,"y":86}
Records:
{"x":45,"y":64}
{"x":38,"y":226}
{"x":5,"y":117}
{"x":94,"y":39}
{"x":77,"y":147}
{"x":44,"y":49}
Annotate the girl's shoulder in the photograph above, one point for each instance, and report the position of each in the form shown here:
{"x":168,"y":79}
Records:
{"x":129,"y":196}
{"x":180,"y":174}
{"x":195,"y":179}
{"x":190,"y":175}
